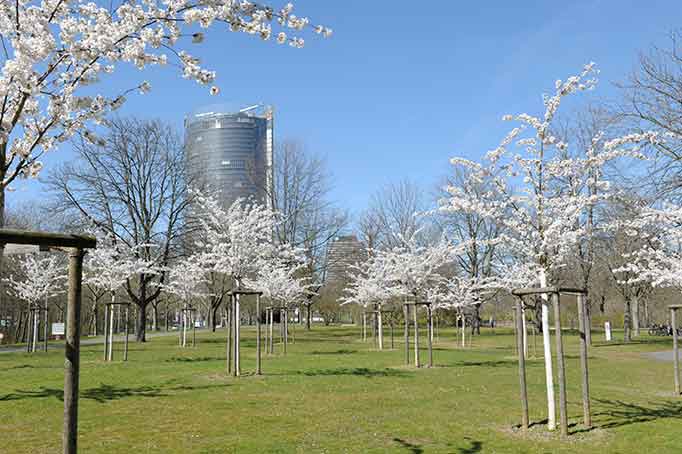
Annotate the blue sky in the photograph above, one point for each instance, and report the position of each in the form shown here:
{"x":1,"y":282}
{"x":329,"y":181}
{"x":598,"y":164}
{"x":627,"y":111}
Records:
{"x":402,"y":86}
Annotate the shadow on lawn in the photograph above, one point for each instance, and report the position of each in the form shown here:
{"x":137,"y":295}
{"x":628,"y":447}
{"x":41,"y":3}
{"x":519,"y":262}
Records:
{"x":104,"y":392}
{"x":355,"y":371}
{"x":414,"y":449}
{"x":342,"y":351}
{"x":616,"y":413}
{"x":476,"y":446}
{"x":496,"y":363}
{"x":180,"y":359}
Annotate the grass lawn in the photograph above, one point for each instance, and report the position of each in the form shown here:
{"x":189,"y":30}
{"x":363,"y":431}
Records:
{"x":334,"y":393}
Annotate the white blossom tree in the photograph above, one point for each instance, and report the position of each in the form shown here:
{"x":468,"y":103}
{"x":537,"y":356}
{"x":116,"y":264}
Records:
{"x":238,"y":242}
{"x":185,"y":280}
{"x":540,"y":218}
{"x":42,"y":277}
{"x":52,"y":53}
{"x":108,"y":268}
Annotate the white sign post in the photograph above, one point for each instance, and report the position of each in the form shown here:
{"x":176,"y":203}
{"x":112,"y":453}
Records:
{"x":607,"y":331}
{"x":57,"y":329}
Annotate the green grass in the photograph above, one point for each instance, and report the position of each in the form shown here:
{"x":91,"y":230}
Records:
{"x":334,"y":393}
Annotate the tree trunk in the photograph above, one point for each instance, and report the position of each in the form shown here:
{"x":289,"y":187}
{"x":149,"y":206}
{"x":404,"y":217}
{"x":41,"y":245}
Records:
{"x":547,"y":346}
{"x":635,"y":316}
{"x":307,"y":317}
{"x":626,"y":320}
{"x":416,"y":337}
{"x":155,"y":317}
{"x":141,"y":323}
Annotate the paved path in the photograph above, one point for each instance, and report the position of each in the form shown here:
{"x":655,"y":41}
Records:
{"x":663,"y":356}
{"x":87,"y":341}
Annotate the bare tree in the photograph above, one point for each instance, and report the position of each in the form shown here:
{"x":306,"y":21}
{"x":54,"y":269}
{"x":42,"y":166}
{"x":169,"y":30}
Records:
{"x":392,"y":213}
{"x":301,"y":194}
{"x":473,"y":230}
{"x":133,"y":185}
{"x":653,"y":100}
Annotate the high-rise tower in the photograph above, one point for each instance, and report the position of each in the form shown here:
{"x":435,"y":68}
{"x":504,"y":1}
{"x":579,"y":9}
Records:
{"x":231,"y":153}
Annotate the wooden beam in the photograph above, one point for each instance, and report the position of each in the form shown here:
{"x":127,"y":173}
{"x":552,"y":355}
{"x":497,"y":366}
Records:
{"x":541,"y":290}
{"x":10,"y":236}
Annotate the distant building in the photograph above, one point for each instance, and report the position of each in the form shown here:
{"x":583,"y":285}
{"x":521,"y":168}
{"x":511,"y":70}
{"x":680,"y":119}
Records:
{"x":231,"y":153}
{"x":343,"y":252}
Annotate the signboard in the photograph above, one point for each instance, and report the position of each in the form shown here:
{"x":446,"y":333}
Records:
{"x":58,"y":329}
{"x":607,"y":331}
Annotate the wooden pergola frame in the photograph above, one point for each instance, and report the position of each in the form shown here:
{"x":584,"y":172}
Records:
{"x":234,"y":300}
{"x":108,"y":340}
{"x":555,"y":293}
{"x":183,"y":333}
{"x":429,"y":324}
{"x":75,"y":246}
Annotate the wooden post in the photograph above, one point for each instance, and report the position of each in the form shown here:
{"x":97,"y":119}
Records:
{"x":286,"y":330}
{"x":110,"y":356}
{"x":272,"y":328}
{"x":106,"y":331}
{"x":46,"y":329}
{"x":229,"y":337}
{"x":563,"y":410}
{"x":267,"y":331}
{"x":429,"y":317}
{"x":36,"y":320}
{"x":522,"y":364}
{"x":237,"y":326}
{"x":406,"y":316}
{"x":127,"y":328}
{"x":416,"y":337}
{"x":194,"y":327}
{"x":676,"y":357}
{"x":28,"y":336}
{"x":258,"y":359}
{"x":380,"y":327}
{"x":72,"y":352}
{"x":582,"y":326}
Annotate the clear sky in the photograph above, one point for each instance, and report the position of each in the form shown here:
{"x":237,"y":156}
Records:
{"x":402,"y":86}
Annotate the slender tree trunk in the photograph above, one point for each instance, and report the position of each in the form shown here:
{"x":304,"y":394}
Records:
{"x":416,"y":337}
{"x":110,"y":355}
{"x":307,"y":317}
{"x":635,"y":315}
{"x":626,"y":320}
{"x":406,"y":318}
{"x":258,"y":336}
{"x":228,"y":322}
{"x":364,"y":326}
{"x":380,"y":327}
{"x":125,"y":341}
{"x":547,"y":345}
{"x":524,"y":323}
{"x":237,"y":337}
{"x":47,"y":325}
{"x":36,"y":315}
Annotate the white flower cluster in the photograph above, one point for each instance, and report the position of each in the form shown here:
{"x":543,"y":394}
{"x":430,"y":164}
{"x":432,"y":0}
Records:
{"x":536,"y":193}
{"x":51,"y":49}
{"x":43,"y":277}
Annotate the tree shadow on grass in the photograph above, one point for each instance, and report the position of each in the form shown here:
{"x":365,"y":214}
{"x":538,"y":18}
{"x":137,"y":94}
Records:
{"x":180,"y":359}
{"x":104,"y":392}
{"x":476,"y":446}
{"x":342,"y":351}
{"x":495,"y":363}
{"x":355,"y":371}
{"x":616,"y":413}
{"x":414,"y":449}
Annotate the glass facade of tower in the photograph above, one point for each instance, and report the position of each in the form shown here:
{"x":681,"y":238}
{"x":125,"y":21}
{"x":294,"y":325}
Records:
{"x":231,"y":154}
